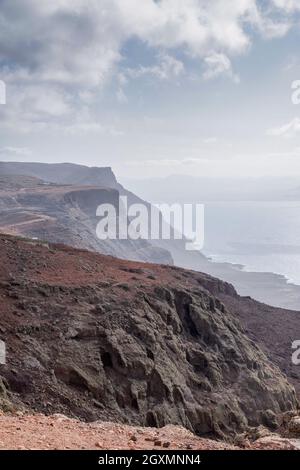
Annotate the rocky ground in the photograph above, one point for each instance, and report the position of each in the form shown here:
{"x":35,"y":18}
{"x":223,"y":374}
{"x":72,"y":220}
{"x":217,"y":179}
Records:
{"x":58,"y":432}
{"x":98,"y":338}
{"x":273,"y":329}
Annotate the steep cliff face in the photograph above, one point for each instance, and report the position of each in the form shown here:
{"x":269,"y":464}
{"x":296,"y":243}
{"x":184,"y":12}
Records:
{"x":100,"y":338}
{"x":273,"y":329}
{"x":66,"y":214}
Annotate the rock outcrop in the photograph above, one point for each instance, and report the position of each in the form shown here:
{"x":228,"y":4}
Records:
{"x":94,"y":337}
{"x":272,"y":329}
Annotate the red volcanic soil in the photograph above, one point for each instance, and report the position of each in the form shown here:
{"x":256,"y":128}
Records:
{"x":58,"y":432}
{"x":61,"y":433}
{"x":102,"y":339}
{"x":62,"y":265}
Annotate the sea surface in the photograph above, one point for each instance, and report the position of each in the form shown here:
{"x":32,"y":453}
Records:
{"x":261,"y":236}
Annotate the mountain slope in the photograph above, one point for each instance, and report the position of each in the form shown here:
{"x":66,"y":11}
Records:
{"x":100,"y":338}
{"x":66,"y":214}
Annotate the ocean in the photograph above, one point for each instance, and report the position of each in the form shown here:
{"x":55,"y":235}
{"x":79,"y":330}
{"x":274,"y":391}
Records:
{"x":261,"y":236}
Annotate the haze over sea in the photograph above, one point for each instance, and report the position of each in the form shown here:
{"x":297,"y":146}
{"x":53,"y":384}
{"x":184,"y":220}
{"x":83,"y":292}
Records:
{"x":261,"y":236}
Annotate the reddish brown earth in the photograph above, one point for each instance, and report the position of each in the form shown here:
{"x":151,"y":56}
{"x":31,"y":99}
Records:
{"x":58,"y":432}
{"x":103,"y":339}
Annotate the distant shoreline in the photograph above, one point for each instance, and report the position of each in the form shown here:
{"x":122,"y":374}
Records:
{"x":266,"y":287}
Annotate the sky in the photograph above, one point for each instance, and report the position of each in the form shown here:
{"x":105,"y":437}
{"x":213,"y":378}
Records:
{"x":152,"y":87}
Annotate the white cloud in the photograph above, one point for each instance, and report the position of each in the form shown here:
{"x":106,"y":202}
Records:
{"x":79,"y":42}
{"x":42,"y":109}
{"x":64,"y":51}
{"x":166,"y":68}
{"x":218,"y":64}
{"x":287,"y":5}
{"x":271,"y":29}
{"x":291,"y":129}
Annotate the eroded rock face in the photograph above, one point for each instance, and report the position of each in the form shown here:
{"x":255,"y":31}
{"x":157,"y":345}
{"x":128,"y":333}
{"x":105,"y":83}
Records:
{"x":99,"y":338}
{"x":32,"y":208}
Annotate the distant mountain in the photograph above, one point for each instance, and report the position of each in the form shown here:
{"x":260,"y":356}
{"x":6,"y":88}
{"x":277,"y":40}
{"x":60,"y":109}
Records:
{"x":62,"y":173}
{"x":184,"y":188}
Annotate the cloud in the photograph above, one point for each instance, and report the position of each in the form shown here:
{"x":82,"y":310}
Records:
{"x":218,"y":64}
{"x":43,"y":109}
{"x":65,"y":42}
{"x":271,"y":29}
{"x":166,"y":68}
{"x":63,"y":51}
{"x":33,"y":106}
{"x":291,"y":129}
{"x":287,"y":5}
{"x":79,"y":42}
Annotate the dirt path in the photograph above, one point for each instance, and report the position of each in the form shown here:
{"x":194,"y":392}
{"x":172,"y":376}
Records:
{"x":58,"y":432}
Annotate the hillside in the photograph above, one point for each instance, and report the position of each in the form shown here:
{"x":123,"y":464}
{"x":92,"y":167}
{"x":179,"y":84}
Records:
{"x":95,"y":337}
{"x":66,"y":214}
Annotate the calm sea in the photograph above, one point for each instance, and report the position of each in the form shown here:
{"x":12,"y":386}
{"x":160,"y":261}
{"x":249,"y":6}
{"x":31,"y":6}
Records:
{"x":262,"y":236}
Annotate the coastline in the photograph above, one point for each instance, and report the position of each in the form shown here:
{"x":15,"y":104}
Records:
{"x":267,"y":287}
